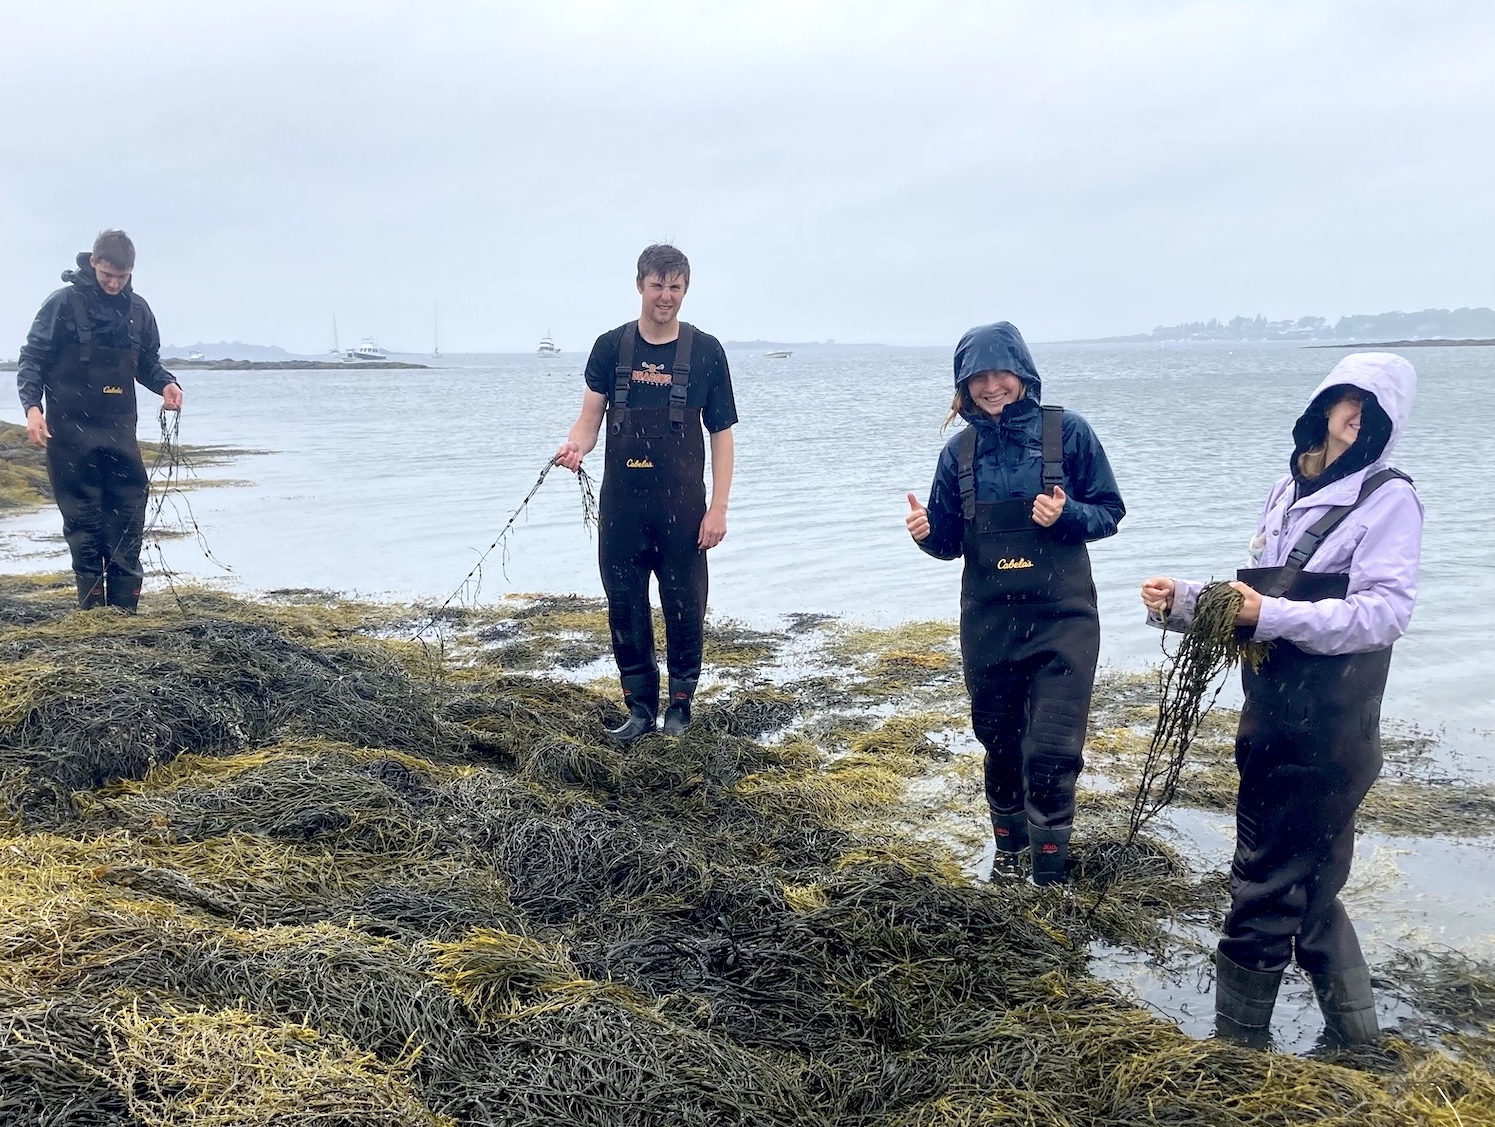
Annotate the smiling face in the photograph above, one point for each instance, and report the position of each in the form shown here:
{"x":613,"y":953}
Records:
{"x":1344,"y":425}
{"x":662,"y":298}
{"x":990,"y":392}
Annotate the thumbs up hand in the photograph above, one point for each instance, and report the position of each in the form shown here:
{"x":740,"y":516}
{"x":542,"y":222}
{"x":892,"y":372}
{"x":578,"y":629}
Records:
{"x":917,"y":519}
{"x":1048,"y":506}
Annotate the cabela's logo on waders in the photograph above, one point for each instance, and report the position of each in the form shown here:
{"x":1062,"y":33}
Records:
{"x":110,"y":389}
{"x":640,"y":464}
{"x":1013,"y":564}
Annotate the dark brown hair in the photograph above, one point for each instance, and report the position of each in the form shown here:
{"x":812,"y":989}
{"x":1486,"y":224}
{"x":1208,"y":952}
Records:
{"x":665,"y":261}
{"x":114,"y":247}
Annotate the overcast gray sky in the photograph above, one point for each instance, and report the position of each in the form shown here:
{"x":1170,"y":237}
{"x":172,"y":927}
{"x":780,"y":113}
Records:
{"x":850,"y":170}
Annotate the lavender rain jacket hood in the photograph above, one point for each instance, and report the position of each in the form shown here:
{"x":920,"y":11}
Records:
{"x":1379,"y":545}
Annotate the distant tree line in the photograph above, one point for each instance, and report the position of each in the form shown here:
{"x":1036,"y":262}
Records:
{"x":1453,"y":324}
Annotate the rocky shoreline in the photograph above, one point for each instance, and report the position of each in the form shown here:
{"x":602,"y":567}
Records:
{"x":172,"y":364}
{"x":1434,"y":343}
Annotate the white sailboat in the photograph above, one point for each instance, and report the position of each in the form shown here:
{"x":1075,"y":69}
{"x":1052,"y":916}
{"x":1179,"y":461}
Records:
{"x":435,"y":335}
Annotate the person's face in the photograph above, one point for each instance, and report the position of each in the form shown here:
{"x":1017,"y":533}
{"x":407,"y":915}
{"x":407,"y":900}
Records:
{"x":1344,"y":425}
{"x":989,"y":392}
{"x":662,"y":297}
{"x":111,"y":278}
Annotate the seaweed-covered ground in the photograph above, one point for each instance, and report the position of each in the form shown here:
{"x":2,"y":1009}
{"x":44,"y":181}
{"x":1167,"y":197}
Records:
{"x":23,"y":468}
{"x":271,"y":862}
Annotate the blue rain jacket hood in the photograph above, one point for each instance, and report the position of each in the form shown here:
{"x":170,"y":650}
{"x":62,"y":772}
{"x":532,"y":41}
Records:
{"x":997,"y":347}
{"x":1009,"y":453}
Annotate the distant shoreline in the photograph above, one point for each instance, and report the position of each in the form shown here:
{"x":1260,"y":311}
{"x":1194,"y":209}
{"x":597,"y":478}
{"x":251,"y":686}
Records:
{"x":283,"y":365}
{"x":1433,"y":343}
{"x":262,"y":365}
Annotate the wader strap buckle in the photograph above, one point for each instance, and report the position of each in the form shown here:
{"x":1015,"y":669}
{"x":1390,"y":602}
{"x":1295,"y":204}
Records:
{"x":85,"y":328}
{"x":680,"y":377}
{"x":1322,"y":528}
{"x":622,"y":377}
{"x":965,"y":460}
{"x":1053,"y":448}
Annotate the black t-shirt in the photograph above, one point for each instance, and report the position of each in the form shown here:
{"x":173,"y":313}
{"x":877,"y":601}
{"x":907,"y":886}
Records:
{"x":710,"y":386}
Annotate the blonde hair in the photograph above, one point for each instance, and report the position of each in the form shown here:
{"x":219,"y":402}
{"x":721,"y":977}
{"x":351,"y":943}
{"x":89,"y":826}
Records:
{"x":959,"y":404}
{"x":1315,"y":460}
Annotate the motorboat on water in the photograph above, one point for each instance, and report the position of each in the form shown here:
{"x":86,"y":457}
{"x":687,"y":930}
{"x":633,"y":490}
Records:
{"x":547,"y":347}
{"x":196,"y":356}
{"x":780,"y":354}
{"x":366,"y":350}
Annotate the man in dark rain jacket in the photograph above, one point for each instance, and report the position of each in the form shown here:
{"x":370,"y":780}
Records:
{"x":93,"y":340}
{"x":1018,"y":492}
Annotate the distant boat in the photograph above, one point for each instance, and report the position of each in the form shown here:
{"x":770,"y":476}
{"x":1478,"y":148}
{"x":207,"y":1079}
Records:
{"x":547,"y":347}
{"x":196,"y":356}
{"x":435,"y":335}
{"x":367,"y":350}
{"x":780,"y":354}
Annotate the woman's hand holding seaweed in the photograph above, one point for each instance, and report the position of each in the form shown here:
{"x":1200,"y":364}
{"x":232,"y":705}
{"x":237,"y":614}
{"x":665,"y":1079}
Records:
{"x":569,"y":456}
{"x":1157,"y":594}
{"x":1048,"y":506}
{"x":917,"y":519}
{"x":1250,"y":612}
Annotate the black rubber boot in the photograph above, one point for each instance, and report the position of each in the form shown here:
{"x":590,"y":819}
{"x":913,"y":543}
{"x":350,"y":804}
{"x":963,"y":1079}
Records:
{"x":1010,"y":831}
{"x":641,"y":698}
{"x":1349,"y":1006}
{"x":1244,"y":1000}
{"x":122,"y":591}
{"x":90,"y":590}
{"x":1050,"y":849}
{"x":677,"y":715}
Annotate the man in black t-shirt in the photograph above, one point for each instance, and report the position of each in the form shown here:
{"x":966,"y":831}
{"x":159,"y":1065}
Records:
{"x":658,"y":381}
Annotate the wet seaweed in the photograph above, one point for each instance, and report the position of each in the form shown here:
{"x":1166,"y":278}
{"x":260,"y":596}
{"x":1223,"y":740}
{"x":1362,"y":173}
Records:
{"x":318,"y":885}
{"x":1187,"y":688}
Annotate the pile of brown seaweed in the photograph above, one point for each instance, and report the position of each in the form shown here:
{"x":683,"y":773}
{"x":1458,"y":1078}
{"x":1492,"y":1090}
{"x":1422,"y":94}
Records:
{"x":261,"y":867}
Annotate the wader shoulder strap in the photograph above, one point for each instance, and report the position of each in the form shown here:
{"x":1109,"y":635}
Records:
{"x":1321,"y":529}
{"x":965,"y":461}
{"x":1053,"y":448}
{"x":680,"y":377}
{"x":622,"y":376}
{"x":83,"y":323}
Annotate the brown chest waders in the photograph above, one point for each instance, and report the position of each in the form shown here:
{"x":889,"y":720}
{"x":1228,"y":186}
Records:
{"x":93,"y":462}
{"x":1029,"y":643}
{"x":652,"y":501}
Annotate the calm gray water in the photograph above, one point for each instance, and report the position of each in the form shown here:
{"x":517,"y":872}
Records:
{"x":392,"y":483}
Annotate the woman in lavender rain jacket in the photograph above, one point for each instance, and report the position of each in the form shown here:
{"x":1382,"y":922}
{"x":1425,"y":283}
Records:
{"x":1332,"y":583}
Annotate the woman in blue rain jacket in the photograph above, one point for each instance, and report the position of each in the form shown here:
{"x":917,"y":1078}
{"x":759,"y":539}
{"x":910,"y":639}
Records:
{"x":1019,"y":491}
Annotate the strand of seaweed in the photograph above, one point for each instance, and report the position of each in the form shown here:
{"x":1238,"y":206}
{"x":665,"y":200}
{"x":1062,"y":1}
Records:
{"x":472,"y":582}
{"x":1209,"y":647}
{"x":164,"y":474}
